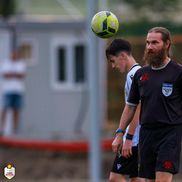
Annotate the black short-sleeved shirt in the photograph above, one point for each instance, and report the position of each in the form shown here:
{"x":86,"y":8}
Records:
{"x":160,"y":92}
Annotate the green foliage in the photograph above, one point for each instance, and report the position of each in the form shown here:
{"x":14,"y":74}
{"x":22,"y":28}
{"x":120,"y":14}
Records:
{"x":154,"y":5}
{"x":140,"y":28}
{"x":7,"y":8}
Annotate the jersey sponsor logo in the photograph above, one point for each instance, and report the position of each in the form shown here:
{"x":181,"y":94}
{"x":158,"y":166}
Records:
{"x":167,"y":164}
{"x":167,"y":89}
{"x":144,"y":77}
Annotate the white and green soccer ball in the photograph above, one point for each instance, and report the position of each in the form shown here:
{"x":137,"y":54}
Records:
{"x":104,"y":24}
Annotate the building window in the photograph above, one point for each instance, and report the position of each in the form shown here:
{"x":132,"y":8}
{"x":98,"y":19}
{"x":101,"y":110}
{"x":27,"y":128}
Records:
{"x":68,"y":64}
{"x":79,"y":62}
{"x":61,"y":65}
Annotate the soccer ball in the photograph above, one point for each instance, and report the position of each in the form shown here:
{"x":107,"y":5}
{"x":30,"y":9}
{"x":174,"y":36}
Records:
{"x":104,"y":24}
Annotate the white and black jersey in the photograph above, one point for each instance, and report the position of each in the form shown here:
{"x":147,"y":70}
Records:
{"x":128,"y":83}
{"x":160,"y":92}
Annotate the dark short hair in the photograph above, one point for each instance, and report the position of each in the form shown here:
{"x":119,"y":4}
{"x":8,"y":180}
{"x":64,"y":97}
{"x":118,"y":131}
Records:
{"x":117,"y":46}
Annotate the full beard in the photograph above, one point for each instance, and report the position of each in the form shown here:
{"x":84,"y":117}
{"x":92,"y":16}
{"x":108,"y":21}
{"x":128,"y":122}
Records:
{"x":155,"y":59}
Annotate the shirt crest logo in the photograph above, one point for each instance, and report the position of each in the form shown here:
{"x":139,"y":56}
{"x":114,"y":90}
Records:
{"x":167,"y":89}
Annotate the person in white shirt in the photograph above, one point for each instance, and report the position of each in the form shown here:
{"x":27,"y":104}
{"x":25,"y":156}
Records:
{"x":119,"y":55}
{"x":13,"y":72}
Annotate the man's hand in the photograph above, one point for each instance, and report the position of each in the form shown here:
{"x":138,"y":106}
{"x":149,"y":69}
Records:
{"x":117,"y":142}
{"x":127,"y":149}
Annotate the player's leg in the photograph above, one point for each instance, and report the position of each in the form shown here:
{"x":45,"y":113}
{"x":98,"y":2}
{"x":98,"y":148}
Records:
{"x":147,"y":156}
{"x":137,"y":179}
{"x":124,"y":166}
{"x":150,"y":180}
{"x":164,"y":176}
{"x":118,"y":167}
{"x":134,"y":166}
{"x":168,"y":158}
{"x":114,"y":177}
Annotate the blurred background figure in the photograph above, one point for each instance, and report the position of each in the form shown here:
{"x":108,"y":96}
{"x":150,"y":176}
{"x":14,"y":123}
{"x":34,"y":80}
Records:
{"x":13,"y":71}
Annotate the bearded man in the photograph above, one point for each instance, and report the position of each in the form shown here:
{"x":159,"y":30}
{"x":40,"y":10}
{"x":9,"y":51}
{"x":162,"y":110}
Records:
{"x":158,"y":86}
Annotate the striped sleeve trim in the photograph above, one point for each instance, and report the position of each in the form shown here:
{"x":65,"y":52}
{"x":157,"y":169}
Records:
{"x":131,"y":104}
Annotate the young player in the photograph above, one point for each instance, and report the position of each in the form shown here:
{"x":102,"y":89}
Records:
{"x":126,"y":162}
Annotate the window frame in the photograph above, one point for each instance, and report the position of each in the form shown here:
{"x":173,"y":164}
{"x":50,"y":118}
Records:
{"x":69,"y":44}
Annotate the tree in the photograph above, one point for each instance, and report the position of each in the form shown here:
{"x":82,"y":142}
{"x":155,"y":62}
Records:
{"x":160,"y":9}
{"x":155,"y":6}
{"x":7,"y":8}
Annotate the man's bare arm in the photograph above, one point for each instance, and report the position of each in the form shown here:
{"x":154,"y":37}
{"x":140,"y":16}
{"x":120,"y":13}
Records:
{"x":126,"y":118}
{"x":127,"y":145}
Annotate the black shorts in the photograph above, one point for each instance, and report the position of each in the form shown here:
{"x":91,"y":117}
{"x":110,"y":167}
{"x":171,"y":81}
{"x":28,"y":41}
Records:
{"x":159,"y":150}
{"x":127,"y":166}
